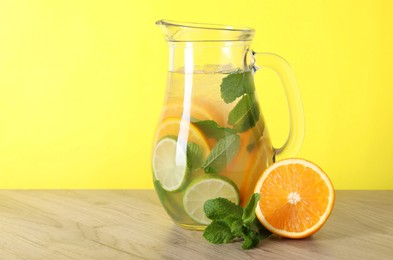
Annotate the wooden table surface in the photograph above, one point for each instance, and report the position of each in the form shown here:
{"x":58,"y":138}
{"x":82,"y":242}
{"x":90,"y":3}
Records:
{"x":98,"y":224}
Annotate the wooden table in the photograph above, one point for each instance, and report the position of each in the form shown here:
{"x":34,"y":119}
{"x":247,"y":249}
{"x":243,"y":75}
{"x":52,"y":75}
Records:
{"x":98,"y":224}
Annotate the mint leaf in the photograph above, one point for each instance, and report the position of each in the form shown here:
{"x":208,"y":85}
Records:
{"x":221,"y":208}
{"x":213,"y":130}
{"x":237,"y":227}
{"x":249,"y":210}
{"x":218,"y":232}
{"x":236,"y":84}
{"x":235,"y":224}
{"x":194,"y":156}
{"x":245,"y":114}
{"x":251,"y":239}
{"x":222,"y":153}
{"x":247,"y":244}
{"x":228,"y":222}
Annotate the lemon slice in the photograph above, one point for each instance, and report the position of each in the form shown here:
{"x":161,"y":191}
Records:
{"x":170,"y":164}
{"x":205,"y":188}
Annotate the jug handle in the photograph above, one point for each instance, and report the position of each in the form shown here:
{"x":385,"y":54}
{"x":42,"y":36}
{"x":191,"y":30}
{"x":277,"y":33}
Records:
{"x":294,"y":101}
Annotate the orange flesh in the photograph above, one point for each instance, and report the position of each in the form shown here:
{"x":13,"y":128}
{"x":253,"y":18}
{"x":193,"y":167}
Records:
{"x":274,"y":204}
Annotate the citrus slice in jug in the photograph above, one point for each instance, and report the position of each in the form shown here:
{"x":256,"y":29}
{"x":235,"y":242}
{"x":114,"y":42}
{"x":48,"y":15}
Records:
{"x":200,"y":110}
{"x":170,"y":152}
{"x":170,"y":164}
{"x":185,"y":132}
{"x":297,"y":197}
{"x":205,"y":188}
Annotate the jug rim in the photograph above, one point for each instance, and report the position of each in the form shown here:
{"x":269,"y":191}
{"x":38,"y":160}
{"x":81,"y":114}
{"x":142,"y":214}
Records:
{"x":175,"y":31}
{"x":207,"y":26}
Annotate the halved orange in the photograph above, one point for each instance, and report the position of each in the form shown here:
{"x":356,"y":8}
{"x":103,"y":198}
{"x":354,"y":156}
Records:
{"x":297,"y":198}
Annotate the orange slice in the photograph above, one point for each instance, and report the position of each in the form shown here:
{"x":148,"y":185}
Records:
{"x":238,"y":166}
{"x":199,"y":109}
{"x":184,"y":131}
{"x":297,"y":197}
{"x":259,"y":159}
{"x":245,"y":168}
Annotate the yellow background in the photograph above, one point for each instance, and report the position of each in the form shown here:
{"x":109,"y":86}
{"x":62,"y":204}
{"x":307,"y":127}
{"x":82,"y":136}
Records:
{"x":82,"y":84}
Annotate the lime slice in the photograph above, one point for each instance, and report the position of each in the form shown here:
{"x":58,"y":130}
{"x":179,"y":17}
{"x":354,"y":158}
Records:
{"x":205,"y":188}
{"x":170,"y":164}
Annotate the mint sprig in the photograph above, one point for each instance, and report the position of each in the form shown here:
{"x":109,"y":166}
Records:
{"x":245,"y":114}
{"x":221,"y":154}
{"x":211,"y":129}
{"x":218,"y":232}
{"x":221,"y":208}
{"x":231,"y":222}
{"x":249,"y":211}
{"x":236,"y":85}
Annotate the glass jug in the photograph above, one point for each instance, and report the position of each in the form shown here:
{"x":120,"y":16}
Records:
{"x":212,"y":140}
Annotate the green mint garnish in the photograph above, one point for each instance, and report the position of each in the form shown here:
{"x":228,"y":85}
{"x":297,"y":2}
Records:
{"x":249,"y":211}
{"x":245,"y":114}
{"x":231,"y":222}
{"x":221,"y":154}
{"x":235,"y":85}
{"x":251,"y":239}
{"x":236,"y":226}
{"x":218,"y":232}
{"x":211,"y":129}
{"x":194,"y":156}
{"x":221,"y":208}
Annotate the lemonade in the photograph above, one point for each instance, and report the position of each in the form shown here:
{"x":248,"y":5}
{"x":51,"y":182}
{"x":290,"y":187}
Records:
{"x":211,"y":142}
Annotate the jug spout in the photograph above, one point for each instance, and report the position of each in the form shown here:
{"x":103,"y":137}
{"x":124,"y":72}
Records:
{"x":200,"y":32}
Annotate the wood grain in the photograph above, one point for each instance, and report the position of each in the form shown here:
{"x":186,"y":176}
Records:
{"x":98,"y":224}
